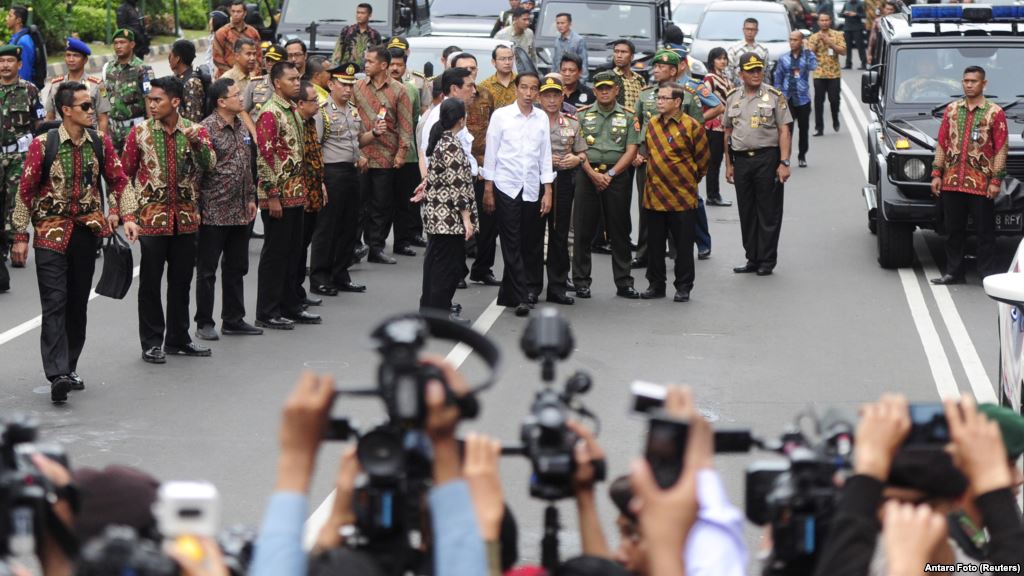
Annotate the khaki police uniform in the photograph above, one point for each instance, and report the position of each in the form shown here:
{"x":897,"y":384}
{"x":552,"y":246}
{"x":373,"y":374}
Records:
{"x":257,"y":93}
{"x":752,"y":126}
{"x":566,"y":139}
{"x":607,"y":134}
{"x":97,"y":91}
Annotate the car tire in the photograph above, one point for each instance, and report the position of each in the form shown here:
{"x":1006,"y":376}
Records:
{"x":895,"y":244}
{"x":873,"y":224}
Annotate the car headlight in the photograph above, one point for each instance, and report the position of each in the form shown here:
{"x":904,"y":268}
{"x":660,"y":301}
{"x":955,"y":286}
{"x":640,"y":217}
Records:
{"x":914,"y":169}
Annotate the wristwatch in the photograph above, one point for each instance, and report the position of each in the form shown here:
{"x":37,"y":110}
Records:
{"x":611,"y":172}
{"x":784,"y":163}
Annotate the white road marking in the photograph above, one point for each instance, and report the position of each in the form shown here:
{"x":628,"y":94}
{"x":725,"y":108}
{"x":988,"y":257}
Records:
{"x":457,"y":356}
{"x":938,"y":361}
{"x":29,"y":325}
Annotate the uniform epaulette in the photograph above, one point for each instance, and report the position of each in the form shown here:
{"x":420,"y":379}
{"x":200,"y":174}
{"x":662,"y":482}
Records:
{"x":731,"y":90}
{"x":649,"y":87}
{"x":571,"y":116}
{"x":774,"y":90}
{"x":255,"y":78}
{"x":93,"y":79}
{"x":583,"y":108}
{"x":419,"y":74}
{"x":57,"y":80}
{"x":628,"y":109}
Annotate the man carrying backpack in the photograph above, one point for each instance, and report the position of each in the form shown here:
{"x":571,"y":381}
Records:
{"x":17,"y":16}
{"x":193,"y":102}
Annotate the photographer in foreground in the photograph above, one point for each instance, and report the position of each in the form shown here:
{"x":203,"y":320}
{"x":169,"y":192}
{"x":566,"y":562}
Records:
{"x":882,"y":469}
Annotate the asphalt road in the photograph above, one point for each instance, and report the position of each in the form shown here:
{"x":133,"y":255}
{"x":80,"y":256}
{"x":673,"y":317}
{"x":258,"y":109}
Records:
{"x":829,"y":329}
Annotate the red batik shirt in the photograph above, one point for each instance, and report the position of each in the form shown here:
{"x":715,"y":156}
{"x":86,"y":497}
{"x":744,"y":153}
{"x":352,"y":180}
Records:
{"x":70,"y":194}
{"x":973,"y":146}
{"x":392,"y":96}
{"x":280,"y":136}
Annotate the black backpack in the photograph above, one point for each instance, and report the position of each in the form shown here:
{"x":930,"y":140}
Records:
{"x":39,"y":64}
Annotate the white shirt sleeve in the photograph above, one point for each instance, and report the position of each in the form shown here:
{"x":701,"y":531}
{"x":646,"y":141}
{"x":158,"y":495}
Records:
{"x":494,"y":130}
{"x":546,"y":170}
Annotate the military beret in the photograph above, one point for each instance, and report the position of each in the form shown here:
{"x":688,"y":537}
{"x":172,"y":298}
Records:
{"x":274,"y":54}
{"x":751,"y":61}
{"x":11,"y":50}
{"x":124,"y":33}
{"x":398,"y":42}
{"x":551,"y":82}
{"x":344,"y":72}
{"x":666,"y":56}
{"x":1011,"y":424}
{"x":76,"y":45}
{"x":605,"y":78}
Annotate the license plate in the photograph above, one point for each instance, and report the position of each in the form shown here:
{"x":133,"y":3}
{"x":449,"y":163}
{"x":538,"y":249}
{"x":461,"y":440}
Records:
{"x":1005,"y":222}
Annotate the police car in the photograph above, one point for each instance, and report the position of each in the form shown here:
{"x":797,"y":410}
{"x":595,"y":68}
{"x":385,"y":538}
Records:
{"x":920,"y":57}
{"x":1008,"y":290}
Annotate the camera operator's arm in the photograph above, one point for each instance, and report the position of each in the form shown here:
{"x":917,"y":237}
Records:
{"x":341,"y":512}
{"x":851,"y":543}
{"x":910,"y":535}
{"x":481,"y":472}
{"x":458,"y":546}
{"x":979,"y":451}
{"x":54,"y":560}
{"x":279,"y":546}
{"x":588,"y":451}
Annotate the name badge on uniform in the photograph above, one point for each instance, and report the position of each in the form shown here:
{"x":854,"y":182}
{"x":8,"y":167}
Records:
{"x":619,"y":122}
{"x":23,"y":142}
{"x":755,"y":121}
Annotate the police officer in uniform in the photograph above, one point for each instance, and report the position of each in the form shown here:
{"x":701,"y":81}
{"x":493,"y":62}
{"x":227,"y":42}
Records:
{"x":75,"y":57}
{"x":20,"y":114}
{"x":127,"y":80}
{"x":568,"y":148}
{"x":757,"y":148}
{"x":260,"y":90}
{"x":612,"y":134}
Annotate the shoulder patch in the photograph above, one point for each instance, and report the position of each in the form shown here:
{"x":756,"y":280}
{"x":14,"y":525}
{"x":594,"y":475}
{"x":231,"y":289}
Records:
{"x":94,"y":79}
{"x":254,"y":78}
{"x":774,"y":90}
{"x":583,"y":108}
{"x":571,"y":116}
{"x":629,"y":110}
{"x":418,"y":74}
{"x":57,"y":80}
{"x":730,"y":92}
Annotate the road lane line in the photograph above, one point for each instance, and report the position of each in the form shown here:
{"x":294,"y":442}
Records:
{"x":457,"y":356}
{"x":30,"y":325}
{"x":938,"y":361}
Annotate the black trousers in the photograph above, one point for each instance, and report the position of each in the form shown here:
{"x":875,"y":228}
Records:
{"x":486,"y":238}
{"x":641,"y":235}
{"x":276,"y":294}
{"x":855,"y":39}
{"x":614,"y":200}
{"x":825,"y":87}
{"x":309,"y":220}
{"x":559,"y":221}
{"x":408,"y":221}
{"x":442,"y":269}
{"x":802,"y":119}
{"x":683,"y":226}
{"x":382,"y":198}
{"x":759,"y":197}
{"x":228,"y":248}
{"x":337,"y":227}
{"x":65,"y":281}
{"x":178,"y":254}
{"x":511,"y":215}
{"x":716,"y":143}
{"x":956,"y":206}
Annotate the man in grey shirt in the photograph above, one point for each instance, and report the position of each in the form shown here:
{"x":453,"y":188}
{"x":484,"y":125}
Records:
{"x":519,"y":32}
{"x":569,"y":42}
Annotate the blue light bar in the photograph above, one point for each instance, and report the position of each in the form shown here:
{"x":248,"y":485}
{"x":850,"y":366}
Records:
{"x":1008,"y":13}
{"x":922,"y":13}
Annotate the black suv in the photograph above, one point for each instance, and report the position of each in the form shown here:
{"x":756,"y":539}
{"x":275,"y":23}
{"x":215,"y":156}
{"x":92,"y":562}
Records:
{"x":600,"y":22}
{"x":319,"y":22}
{"x":921,"y":55}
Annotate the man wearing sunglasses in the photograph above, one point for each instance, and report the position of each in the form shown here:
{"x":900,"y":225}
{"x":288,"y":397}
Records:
{"x":67,"y":217}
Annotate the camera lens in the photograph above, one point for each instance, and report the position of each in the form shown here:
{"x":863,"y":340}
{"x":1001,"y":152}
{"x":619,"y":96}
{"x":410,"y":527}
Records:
{"x":380,"y":454}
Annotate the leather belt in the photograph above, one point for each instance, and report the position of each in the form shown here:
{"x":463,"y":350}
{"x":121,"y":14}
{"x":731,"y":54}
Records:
{"x":754,"y":152}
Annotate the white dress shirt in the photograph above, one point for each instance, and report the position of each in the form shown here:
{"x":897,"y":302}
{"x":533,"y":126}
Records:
{"x":518,"y":152}
{"x":464,"y":137}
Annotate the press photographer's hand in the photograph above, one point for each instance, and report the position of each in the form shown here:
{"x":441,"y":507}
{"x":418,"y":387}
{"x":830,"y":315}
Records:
{"x":977,"y":446}
{"x":442,"y":419}
{"x":881,"y":431}
{"x":302,"y":426}
{"x":911,"y":534}
{"x":341,"y":511}
{"x":481,"y":472}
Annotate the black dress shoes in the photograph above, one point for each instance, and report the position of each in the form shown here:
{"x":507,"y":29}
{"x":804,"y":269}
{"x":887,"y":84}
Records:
{"x":418,"y":241}
{"x":718,"y":202}
{"x":240,"y":328}
{"x":819,"y":132}
{"x":279,"y":323}
{"x":637,"y":263}
{"x":583,"y":291}
{"x":456,"y":308}
{"x":802,"y":163}
{"x":633,"y":247}
{"x":485,"y":279}
{"x":312,"y":302}
{"x":190,"y":349}
{"x":207,"y":332}
{"x":560,"y":299}
{"x":764,"y":271}
{"x":681,"y":296}
{"x":835,"y":125}
{"x":745,"y":269}
{"x":404,"y":251}
{"x":947,"y":280}
{"x":359,"y":253}
{"x":653,"y":293}
{"x":324,"y":290}
{"x":155,"y":355}
{"x":523,"y":310}
{"x":349,"y":287}
{"x":603,"y":248}
{"x":379,"y":257}
{"x":76,"y":382}
{"x":59,"y":388}
{"x":304,"y":318}
{"x":627,"y":292}
{"x":462,"y":285}
{"x":569,"y":286}
{"x":459,"y":319}
{"x":703,"y":254}
{"x":531,"y":298}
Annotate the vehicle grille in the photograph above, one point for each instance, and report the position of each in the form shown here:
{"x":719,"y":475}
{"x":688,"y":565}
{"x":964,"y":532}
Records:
{"x":1015,"y":167}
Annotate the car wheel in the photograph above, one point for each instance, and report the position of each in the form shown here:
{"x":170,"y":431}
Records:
{"x":895,"y":244}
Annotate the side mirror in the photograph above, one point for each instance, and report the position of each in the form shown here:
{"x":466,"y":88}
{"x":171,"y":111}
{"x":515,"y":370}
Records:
{"x":1007,"y":288}
{"x":869,"y":87}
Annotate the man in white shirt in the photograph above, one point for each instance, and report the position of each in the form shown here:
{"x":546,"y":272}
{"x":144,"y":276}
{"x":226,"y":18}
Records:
{"x":517,"y":161}
{"x":455,"y":83}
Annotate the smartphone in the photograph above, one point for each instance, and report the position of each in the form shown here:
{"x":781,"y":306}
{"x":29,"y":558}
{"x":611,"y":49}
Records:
{"x":666,"y":448}
{"x":928,"y":425}
{"x":187,"y":509}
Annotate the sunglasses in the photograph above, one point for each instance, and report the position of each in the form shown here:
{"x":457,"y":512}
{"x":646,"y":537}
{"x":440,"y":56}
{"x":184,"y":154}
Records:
{"x":85,"y":106}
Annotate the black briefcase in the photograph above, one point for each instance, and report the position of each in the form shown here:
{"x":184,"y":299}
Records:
{"x":116,"y":279}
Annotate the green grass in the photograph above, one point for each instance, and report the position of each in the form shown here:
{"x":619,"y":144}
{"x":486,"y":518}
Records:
{"x":101,"y":49}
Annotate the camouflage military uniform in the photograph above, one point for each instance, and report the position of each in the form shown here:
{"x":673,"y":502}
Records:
{"x":127,"y":87}
{"x":20,"y":112}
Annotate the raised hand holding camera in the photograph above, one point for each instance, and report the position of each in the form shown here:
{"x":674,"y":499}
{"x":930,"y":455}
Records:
{"x":977,"y":446}
{"x":302,"y":424}
{"x":882,"y":429}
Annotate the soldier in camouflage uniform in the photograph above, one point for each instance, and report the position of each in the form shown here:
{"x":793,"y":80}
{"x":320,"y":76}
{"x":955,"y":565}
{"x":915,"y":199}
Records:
{"x":127,"y":80}
{"x":20,"y":113}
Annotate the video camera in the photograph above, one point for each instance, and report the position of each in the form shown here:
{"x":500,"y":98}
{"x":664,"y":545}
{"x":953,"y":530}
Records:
{"x":396,"y":455}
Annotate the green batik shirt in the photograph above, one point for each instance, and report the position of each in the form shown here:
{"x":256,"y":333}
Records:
{"x":414,"y":96}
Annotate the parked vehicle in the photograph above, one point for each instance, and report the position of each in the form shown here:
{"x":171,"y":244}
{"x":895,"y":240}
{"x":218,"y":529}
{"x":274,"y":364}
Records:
{"x":473,"y":18}
{"x":319,"y":22}
{"x":722,"y":25}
